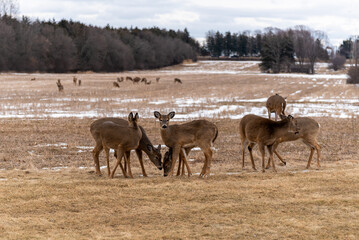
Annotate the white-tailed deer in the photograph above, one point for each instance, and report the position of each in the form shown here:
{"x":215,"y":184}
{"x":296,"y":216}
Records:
{"x":136,"y":80}
{"x":276,"y":104}
{"x":79,"y":82}
{"x":115,"y":84}
{"x":157,"y":79}
{"x":179,"y":137}
{"x":308,"y":133}
{"x":33,"y":79}
{"x":145,"y":145}
{"x":121,"y":138}
{"x":129,"y":79}
{"x":177,"y":80}
{"x":74,"y":80}
{"x":120,"y":79}
{"x":59,"y":85}
{"x":264,"y":132}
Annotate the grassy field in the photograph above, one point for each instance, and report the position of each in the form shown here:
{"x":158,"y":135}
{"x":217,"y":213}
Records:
{"x":48,"y":188}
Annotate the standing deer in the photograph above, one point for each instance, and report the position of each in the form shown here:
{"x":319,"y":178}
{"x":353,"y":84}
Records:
{"x":59,"y":85}
{"x":177,"y":80}
{"x":157,"y":79}
{"x":129,"y":79}
{"x":33,"y":79}
{"x":276,"y":104}
{"x":120,"y":79}
{"x":115,"y":84}
{"x":145,"y":145}
{"x":308,"y":133}
{"x":79,"y":82}
{"x":74,"y":80}
{"x":144,"y":80}
{"x":179,"y":137}
{"x":136,"y":80}
{"x":264,"y":132}
{"x":121,"y":138}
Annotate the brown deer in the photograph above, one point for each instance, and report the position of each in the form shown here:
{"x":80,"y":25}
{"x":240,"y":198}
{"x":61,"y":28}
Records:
{"x":74,"y":80}
{"x":157,"y":79}
{"x":115,"y":84}
{"x":144,"y":80}
{"x":59,"y":85}
{"x":179,"y":137}
{"x":33,"y":79}
{"x":120,"y":79}
{"x":308,"y":133}
{"x":177,"y":80}
{"x":264,"y":132}
{"x":276,"y":104}
{"x":121,"y":138}
{"x":79,"y":82}
{"x":147,"y":82}
{"x":129,"y":79}
{"x":136,"y":80}
{"x":145,"y":145}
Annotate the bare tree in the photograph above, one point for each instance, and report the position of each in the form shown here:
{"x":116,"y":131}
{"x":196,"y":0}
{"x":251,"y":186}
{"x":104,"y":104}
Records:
{"x":9,"y":7}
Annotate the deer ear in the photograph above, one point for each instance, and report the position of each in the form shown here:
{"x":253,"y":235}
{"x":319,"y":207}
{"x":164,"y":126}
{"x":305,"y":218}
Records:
{"x":157,"y":114}
{"x":130,"y":117}
{"x":159,"y":147}
{"x":136,"y":116}
{"x":171,"y":114}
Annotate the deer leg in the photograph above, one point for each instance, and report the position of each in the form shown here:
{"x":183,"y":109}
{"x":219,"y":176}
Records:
{"x":187,"y":151}
{"x":184,"y":159}
{"x":120,"y":154}
{"x":262,"y":150}
{"x":270,"y":150}
{"x":95,"y":154}
{"x":250,"y":148}
{"x":313,"y":146}
{"x":175,"y":155}
{"x":280,"y":158}
{"x":208,"y":154}
{"x":107,"y":152}
{"x":244,"y":145}
{"x":269,"y":113}
{"x":317,"y":147}
{"x":139,"y":155}
{"x":128,"y":160}
{"x":180,"y":161}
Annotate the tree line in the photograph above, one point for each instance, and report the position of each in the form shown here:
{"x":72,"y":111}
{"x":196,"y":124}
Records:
{"x":64,"y":46}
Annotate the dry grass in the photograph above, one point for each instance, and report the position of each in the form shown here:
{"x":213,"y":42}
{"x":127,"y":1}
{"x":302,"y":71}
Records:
{"x":49,"y":189}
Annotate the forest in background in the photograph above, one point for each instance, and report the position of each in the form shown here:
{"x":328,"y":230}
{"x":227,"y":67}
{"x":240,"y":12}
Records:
{"x":65,"y":46}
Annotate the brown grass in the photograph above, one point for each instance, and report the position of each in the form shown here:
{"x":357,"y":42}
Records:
{"x":40,"y":200}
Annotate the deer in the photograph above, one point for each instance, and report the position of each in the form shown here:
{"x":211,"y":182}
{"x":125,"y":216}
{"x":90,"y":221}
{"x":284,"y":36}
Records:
{"x":79,"y":82}
{"x":177,"y":80}
{"x":129,"y":79}
{"x":33,"y":79}
{"x":59,"y":85}
{"x":121,"y":138}
{"x":309,"y":130}
{"x":145,"y":145}
{"x":74,"y":80}
{"x":157,"y":79}
{"x":120,"y":79}
{"x":182,"y":163}
{"x":115,"y":84}
{"x":276,"y":104}
{"x":179,"y":137}
{"x":136,"y":80}
{"x":144,"y":80}
{"x":147,"y":82}
{"x":254,"y":129}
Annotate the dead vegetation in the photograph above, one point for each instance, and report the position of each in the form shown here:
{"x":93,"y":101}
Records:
{"x":49,"y":188}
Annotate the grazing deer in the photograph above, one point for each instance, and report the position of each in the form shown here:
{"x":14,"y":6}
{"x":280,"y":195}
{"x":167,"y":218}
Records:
{"x":136,"y":80}
{"x":33,"y":79}
{"x":74,"y":80}
{"x":59,"y":85}
{"x":145,"y":145}
{"x":177,"y":80}
{"x":264,"y":132}
{"x":276,"y":104}
{"x":129,"y":79}
{"x":115,"y":84}
{"x":201,"y":133}
{"x":144,"y":80}
{"x":157,"y":79}
{"x":79,"y":82}
{"x":121,"y":138}
{"x":309,"y":130}
{"x":181,"y":163}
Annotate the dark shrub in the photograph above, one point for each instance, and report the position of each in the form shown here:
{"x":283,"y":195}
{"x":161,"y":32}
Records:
{"x":337,"y":62}
{"x":353,"y":75}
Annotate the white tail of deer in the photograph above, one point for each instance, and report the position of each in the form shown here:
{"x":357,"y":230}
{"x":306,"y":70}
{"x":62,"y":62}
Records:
{"x":201,"y":133}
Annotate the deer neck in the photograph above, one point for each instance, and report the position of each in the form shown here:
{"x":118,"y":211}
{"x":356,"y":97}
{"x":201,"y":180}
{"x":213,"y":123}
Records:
{"x":281,"y":128}
{"x":166,"y":134}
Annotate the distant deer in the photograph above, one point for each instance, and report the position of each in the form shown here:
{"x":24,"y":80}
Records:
{"x":308,"y":133}
{"x":157,"y":79}
{"x":147,"y":82}
{"x":136,"y":80}
{"x":120,"y":79}
{"x":121,"y":138}
{"x":264,"y":132}
{"x":129,"y":79}
{"x":179,"y":137}
{"x":276,"y":104}
{"x":145,"y":145}
{"x":177,"y":80}
{"x":59,"y":85}
{"x":144,"y":80}
{"x":33,"y":79}
{"x":115,"y":84}
{"x":74,"y":80}
{"x":79,"y":82}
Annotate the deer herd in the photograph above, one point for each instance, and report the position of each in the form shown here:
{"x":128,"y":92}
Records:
{"x":125,"y":135}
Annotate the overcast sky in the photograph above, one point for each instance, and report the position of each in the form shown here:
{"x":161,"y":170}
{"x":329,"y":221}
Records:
{"x":338,"y":19}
